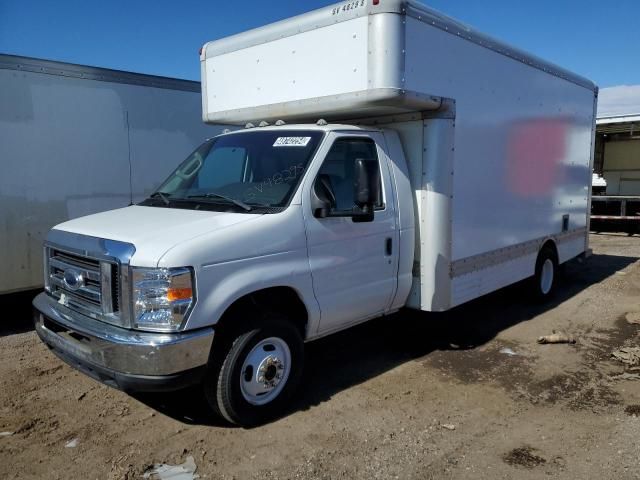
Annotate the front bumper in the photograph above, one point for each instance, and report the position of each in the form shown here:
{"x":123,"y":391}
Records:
{"x":122,"y":358}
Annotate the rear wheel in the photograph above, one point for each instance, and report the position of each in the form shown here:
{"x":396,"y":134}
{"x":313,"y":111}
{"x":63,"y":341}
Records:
{"x":256,"y":373}
{"x":544,"y":280}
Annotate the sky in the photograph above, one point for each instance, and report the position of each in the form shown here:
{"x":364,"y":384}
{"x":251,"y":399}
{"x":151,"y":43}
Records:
{"x":596,"y":39}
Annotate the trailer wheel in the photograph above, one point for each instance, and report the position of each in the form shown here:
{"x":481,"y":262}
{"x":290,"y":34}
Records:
{"x":260,"y":369}
{"x":544,"y":280}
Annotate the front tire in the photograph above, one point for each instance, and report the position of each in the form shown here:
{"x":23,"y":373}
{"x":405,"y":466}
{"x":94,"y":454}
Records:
{"x":259,"y":370}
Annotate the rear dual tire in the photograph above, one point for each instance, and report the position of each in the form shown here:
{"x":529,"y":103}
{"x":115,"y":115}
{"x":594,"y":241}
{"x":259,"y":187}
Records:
{"x":253,"y":374}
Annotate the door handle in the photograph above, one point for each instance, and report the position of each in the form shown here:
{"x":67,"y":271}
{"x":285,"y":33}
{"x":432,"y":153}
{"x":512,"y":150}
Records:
{"x":389,"y":247}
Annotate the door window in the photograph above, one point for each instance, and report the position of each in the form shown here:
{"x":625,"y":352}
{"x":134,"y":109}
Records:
{"x":337,"y":171}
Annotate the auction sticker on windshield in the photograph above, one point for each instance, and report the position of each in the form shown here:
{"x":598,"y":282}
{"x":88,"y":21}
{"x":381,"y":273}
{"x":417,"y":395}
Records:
{"x":292,"y":141}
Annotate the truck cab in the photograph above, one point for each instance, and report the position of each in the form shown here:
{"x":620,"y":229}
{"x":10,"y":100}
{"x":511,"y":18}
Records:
{"x":294,"y":229}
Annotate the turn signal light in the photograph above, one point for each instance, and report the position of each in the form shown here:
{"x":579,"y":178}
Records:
{"x":174,"y":294}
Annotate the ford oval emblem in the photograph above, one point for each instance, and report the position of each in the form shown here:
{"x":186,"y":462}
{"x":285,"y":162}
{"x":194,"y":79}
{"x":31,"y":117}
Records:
{"x":73,"y":279}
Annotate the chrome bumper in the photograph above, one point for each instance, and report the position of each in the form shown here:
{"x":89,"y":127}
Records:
{"x":107,"y":349}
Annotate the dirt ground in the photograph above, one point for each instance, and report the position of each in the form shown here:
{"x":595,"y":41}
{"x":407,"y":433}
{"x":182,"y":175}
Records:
{"x":466,"y":394}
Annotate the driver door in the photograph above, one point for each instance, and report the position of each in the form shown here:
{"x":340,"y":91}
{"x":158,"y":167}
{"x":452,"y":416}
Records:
{"x":353,"y":264}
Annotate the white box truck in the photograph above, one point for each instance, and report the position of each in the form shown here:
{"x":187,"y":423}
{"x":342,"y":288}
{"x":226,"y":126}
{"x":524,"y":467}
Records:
{"x":392,"y":158}
{"x":76,"y":140}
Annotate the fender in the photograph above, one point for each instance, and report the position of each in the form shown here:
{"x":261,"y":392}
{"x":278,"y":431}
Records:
{"x":267,"y":251}
{"x":232,"y":280}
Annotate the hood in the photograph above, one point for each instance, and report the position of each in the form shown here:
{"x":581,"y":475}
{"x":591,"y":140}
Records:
{"x":152,"y":230}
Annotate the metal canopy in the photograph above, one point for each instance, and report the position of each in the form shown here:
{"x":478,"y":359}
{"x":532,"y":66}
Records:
{"x":619,"y":110}
{"x":619,"y":105}
{"x":633,"y":128}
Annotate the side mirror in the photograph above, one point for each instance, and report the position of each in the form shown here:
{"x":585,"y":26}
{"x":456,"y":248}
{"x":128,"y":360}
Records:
{"x":366,"y":193}
{"x":322,"y":198}
{"x":366,"y":188}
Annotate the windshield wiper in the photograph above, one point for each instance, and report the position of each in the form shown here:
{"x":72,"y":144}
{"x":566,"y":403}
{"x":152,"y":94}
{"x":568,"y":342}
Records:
{"x":162,"y":196}
{"x":239,"y":203}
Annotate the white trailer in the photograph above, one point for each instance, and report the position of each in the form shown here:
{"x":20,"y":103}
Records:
{"x":76,"y":140}
{"x":430,"y":165}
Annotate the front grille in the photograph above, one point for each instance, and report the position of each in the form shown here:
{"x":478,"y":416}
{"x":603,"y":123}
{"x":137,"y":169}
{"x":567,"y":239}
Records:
{"x":85,"y":284}
{"x":115,"y":288}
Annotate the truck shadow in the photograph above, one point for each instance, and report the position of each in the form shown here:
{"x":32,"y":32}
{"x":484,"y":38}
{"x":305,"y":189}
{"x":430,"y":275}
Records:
{"x":358,"y":354}
{"x":604,"y":227}
{"x":348,"y":358}
{"x":16,"y":312}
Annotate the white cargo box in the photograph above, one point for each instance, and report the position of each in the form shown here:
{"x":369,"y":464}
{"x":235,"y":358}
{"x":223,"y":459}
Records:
{"x":348,"y":60}
{"x":499,"y":143}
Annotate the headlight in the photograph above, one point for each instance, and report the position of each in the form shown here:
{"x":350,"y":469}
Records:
{"x":162,"y":297}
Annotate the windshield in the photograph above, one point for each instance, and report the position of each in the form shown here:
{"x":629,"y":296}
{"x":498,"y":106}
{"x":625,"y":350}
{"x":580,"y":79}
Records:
{"x":248,"y":170}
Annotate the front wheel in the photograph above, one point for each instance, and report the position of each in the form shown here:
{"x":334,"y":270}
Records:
{"x":260,"y":370}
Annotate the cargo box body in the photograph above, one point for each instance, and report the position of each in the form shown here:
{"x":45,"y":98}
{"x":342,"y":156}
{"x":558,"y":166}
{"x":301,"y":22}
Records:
{"x":499,"y":144}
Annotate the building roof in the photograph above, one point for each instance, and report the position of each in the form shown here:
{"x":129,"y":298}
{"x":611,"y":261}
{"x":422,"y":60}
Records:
{"x":619,"y":104}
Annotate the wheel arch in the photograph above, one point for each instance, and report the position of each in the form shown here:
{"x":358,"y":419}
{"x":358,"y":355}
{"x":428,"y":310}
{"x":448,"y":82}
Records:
{"x":281,"y":299}
{"x":550,"y":244}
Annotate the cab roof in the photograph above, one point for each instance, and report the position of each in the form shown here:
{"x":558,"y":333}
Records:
{"x":330,"y":127}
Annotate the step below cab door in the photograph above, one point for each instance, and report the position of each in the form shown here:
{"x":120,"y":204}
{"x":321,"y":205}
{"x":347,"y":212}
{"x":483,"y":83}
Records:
{"x":353,"y":256}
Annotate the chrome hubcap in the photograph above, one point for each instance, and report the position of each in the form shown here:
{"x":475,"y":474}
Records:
{"x":546,"y":276}
{"x":265,"y":371}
